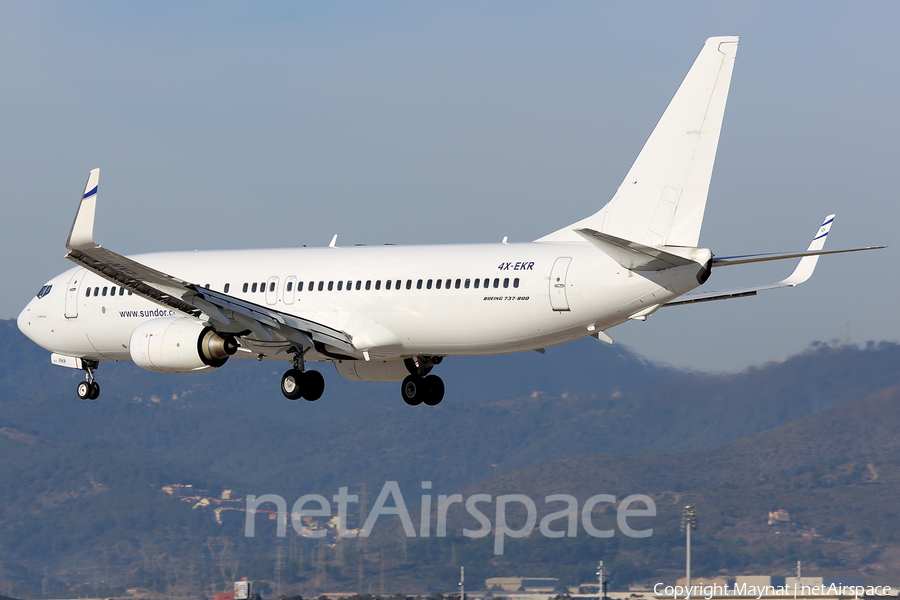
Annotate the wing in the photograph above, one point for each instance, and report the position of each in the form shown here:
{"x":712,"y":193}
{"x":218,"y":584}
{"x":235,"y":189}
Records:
{"x":229,"y":314}
{"x":801,"y":273}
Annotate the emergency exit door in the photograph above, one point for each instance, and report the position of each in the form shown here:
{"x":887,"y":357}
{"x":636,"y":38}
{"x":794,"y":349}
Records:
{"x":558,"y":300}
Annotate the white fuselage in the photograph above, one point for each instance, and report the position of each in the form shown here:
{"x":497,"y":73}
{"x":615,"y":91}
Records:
{"x":452,"y":299}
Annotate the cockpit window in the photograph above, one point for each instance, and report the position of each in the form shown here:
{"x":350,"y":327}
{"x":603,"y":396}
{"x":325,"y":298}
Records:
{"x":44,"y":291}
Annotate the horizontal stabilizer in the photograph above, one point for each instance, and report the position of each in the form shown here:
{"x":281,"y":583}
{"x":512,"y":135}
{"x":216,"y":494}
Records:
{"x":632,"y":255}
{"x":801,"y":273}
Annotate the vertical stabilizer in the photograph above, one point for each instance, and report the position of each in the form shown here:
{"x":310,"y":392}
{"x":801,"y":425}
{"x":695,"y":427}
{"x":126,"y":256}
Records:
{"x":662,"y":199}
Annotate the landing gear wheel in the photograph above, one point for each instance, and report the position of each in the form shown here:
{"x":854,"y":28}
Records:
{"x":314,"y":385}
{"x":292,"y":384}
{"x":95,"y":391}
{"x":434,"y":390}
{"x":84,"y":390}
{"x":413,"y":390}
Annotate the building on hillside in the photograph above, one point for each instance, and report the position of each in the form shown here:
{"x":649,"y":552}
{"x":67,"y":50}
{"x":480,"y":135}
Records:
{"x":522,"y":584}
{"x":779,"y":516}
{"x":182,"y":490}
{"x":759,"y":581}
{"x":139,"y":592}
{"x":705,"y":581}
{"x":813,"y":582}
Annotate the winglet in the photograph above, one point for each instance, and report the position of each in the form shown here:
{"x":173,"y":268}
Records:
{"x":82,"y":233}
{"x":807,"y":264}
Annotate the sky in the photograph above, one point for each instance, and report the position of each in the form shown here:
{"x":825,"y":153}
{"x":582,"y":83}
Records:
{"x":239,"y":124}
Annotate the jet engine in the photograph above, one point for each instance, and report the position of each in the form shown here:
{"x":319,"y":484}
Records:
{"x":375,"y":370}
{"x":179,"y":345}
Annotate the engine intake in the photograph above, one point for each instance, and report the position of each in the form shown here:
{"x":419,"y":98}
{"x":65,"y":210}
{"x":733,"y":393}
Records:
{"x":179,"y":345}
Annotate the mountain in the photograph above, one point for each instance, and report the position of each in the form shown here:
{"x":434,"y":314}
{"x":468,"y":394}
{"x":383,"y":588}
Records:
{"x":836,"y":472}
{"x":579,"y":398}
{"x":585,"y":418}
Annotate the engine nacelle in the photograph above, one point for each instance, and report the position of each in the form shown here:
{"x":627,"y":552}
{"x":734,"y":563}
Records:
{"x":179,"y":345}
{"x":375,"y":370}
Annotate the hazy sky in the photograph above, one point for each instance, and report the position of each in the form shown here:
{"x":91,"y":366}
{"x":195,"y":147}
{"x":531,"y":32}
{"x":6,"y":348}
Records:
{"x":220,"y":125}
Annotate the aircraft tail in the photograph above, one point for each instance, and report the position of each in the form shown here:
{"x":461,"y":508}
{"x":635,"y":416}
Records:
{"x":663,"y":197}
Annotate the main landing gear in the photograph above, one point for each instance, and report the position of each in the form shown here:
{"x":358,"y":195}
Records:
{"x":419,"y":386}
{"x":89,"y":389}
{"x":298,"y":383}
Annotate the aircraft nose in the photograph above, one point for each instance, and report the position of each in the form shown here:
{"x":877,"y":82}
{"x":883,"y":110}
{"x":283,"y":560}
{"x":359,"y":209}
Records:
{"x":23,"y":321}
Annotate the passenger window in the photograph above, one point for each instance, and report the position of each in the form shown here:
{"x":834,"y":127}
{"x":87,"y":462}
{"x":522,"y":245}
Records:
{"x":341,"y":285}
{"x":330,"y":285}
{"x":262,"y":286}
{"x":368,"y":285}
{"x":112,"y":291}
{"x":457,"y":284}
{"x":245,"y":288}
{"x":438,"y":284}
{"x":447,"y":285}
{"x":271,"y":286}
{"x":290,"y":286}
{"x":300,"y":286}
{"x":130,"y":292}
{"x":227,"y":287}
{"x":516,"y":282}
{"x":312,"y":285}
{"x":96,"y":292}
{"x":387,"y":284}
{"x":253,"y":289}
{"x":206,"y":286}
{"x":506,"y":282}
{"x":378,"y":284}
{"x":122,"y":291}
{"x":477,"y":283}
{"x":397,"y":285}
{"x":427,"y":285}
{"x":419,"y":284}
{"x":350,"y":286}
{"x":321,"y":285}
{"x":88,"y":293}
{"x":409,"y":284}
{"x":496,"y":282}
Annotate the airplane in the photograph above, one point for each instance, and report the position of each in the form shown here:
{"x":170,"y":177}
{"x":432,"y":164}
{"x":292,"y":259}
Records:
{"x":393,"y":313}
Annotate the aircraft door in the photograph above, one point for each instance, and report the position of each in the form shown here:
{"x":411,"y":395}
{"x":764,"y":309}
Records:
{"x":72,"y":293}
{"x":558,"y":300}
{"x":272,"y":290}
{"x":290,"y":288}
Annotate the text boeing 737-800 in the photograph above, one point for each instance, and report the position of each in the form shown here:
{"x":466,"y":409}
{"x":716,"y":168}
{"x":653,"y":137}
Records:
{"x":392,"y":313}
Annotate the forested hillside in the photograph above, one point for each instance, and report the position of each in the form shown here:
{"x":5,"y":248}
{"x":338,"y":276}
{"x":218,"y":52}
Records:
{"x":81,"y":479}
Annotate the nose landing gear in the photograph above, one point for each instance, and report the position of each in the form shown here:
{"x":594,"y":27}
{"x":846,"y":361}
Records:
{"x":89,"y":389}
{"x":298,"y":383}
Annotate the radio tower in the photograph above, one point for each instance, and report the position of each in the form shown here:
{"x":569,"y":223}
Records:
{"x":279,"y":562}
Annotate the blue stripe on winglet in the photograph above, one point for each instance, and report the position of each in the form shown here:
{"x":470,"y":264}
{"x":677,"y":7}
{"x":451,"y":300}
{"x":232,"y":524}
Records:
{"x":821,"y":236}
{"x":93,"y":192}
{"x":827,"y":222}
